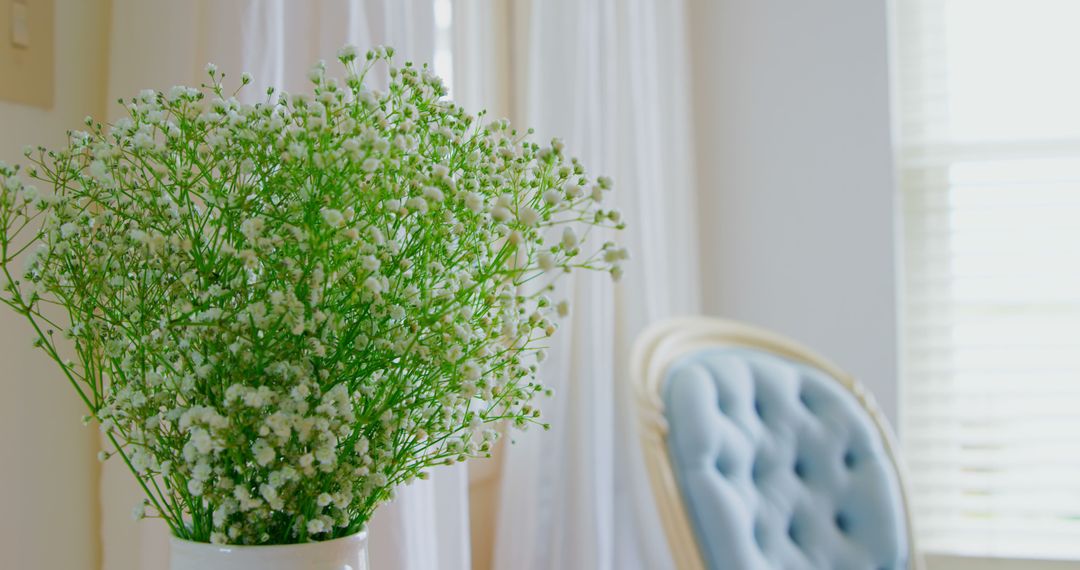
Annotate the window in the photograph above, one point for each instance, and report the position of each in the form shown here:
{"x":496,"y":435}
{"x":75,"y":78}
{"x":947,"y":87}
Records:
{"x":988,"y":99}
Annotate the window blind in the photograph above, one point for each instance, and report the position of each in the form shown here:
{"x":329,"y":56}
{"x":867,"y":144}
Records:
{"x":988,"y":125}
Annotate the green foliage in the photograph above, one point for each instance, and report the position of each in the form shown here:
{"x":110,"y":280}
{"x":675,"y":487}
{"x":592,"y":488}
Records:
{"x":280,"y":311}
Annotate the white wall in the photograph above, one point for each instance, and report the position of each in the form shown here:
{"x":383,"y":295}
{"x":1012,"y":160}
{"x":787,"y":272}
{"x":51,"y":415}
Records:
{"x":48,"y":471}
{"x":794,"y":163}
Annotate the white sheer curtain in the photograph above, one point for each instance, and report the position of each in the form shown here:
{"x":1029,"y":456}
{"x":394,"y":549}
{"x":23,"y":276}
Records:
{"x":160,"y":43}
{"x":611,"y":78}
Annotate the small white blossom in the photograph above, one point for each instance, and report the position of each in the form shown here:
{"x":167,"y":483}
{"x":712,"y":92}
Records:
{"x":347,"y":53}
{"x":569,"y":238}
{"x":474,"y":202}
{"x":264,"y":454}
{"x":417,"y":204}
{"x":528,"y":216}
{"x":545,"y":260}
{"x":433,"y":194}
{"x":333,"y":218}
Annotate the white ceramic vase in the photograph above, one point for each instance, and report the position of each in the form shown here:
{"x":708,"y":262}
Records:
{"x":348,"y":553}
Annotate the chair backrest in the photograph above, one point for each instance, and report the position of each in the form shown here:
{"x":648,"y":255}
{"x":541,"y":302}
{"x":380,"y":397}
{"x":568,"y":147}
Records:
{"x":764,"y":455}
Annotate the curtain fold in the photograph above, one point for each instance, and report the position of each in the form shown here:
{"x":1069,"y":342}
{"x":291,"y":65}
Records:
{"x":611,"y":78}
{"x":158,"y":44}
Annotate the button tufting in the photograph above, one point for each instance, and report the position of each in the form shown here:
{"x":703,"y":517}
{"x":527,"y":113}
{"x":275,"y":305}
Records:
{"x":722,"y":466}
{"x":849,"y":459}
{"x":759,"y":533}
{"x":842,"y":523}
{"x":805,"y":400}
{"x":784,"y":471}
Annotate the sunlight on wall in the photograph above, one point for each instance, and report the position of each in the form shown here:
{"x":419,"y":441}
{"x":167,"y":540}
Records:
{"x":49,"y":478}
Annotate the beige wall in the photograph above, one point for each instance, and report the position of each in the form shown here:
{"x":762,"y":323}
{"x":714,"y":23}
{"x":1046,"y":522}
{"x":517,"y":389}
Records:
{"x":48,"y":473}
{"x":795,"y":175}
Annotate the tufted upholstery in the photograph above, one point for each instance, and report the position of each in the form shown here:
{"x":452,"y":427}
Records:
{"x":780,"y":466}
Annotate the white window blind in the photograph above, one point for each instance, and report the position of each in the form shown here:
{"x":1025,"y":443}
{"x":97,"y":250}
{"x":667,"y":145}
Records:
{"x":988,"y":94}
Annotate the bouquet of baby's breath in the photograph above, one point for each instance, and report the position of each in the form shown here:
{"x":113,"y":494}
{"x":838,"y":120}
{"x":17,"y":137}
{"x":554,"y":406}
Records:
{"x":280,"y":311}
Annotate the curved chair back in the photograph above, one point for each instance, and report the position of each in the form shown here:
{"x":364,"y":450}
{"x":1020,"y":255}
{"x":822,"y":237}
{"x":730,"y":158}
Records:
{"x":765,"y":455}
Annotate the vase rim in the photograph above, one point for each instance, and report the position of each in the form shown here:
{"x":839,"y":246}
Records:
{"x":356,"y":537}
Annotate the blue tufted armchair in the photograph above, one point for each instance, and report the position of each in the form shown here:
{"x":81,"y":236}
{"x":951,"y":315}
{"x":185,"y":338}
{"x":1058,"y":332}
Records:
{"x":763,"y":455}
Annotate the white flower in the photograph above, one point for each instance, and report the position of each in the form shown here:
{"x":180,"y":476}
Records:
{"x":98,"y":171}
{"x":552,"y":197}
{"x":201,"y":471}
{"x":528,"y":216}
{"x":142,"y":141}
{"x":500,"y":214}
{"x":315,"y":526}
{"x":317,"y":72}
{"x":434,"y":194}
{"x":470,"y":370}
{"x":333,"y":218}
{"x":417,"y":204}
{"x":372,"y":284}
{"x":28,"y":194}
{"x":569,"y":238}
{"x":262,"y":451}
{"x":562,"y":308}
{"x":545,"y":260}
{"x":252,"y":228}
{"x":270,"y":495}
{"x":347,"y":53}
{"x":473,"y":201}
{"x":326,"y":455}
